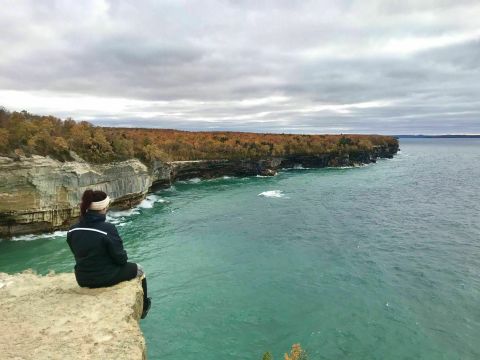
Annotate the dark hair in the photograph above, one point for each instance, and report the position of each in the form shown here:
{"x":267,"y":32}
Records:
{"x":90,"y":196}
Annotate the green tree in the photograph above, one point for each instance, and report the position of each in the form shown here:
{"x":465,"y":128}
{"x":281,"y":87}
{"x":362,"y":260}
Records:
{"x":152,"y":152}
{"x":345,"y":141}
{"x":123,"y":148}
{"x":267,"y":356}
{"x":100,"y":144}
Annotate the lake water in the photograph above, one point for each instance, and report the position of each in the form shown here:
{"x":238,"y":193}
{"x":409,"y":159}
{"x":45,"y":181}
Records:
{"x":377,"y":262}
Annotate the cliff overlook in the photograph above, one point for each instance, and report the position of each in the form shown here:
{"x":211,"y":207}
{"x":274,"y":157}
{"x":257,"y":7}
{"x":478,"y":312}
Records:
{"x":51,"y":317}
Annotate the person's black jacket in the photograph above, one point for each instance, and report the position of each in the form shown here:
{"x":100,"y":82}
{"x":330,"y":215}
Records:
{"x":98,"y":250}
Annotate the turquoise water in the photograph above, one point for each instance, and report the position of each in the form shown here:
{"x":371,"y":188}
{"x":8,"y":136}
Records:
{"x":377,"y":262}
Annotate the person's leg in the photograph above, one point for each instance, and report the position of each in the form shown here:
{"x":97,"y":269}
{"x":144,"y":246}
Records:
{"x":147,"y":302}
{"x":126,"y":272}
{"x":144,"y":287}
{"x":141,"y":274}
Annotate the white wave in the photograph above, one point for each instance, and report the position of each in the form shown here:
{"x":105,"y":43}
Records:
{"x":195,"y":180}
{"x":116,"y":216}
{"x":118,"y":222}
{"x":149,"y":201}
{"x":31,"y":237}
{"x":113,"y":220}
{"x":272,"y":194}
{"x":225,"y":177}
{"x":122,"y":213}
{"x":348,"y":167}
{"x":296,"y":167}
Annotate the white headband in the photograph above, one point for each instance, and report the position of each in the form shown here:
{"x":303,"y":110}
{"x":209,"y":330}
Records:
{"x":100,"y":205}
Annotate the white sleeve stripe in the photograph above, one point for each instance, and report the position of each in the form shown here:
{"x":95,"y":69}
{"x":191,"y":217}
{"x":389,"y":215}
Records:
{"x":89,"y":229}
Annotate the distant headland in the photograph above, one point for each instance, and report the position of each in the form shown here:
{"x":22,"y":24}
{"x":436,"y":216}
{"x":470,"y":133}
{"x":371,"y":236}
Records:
{"x":452,"y":136}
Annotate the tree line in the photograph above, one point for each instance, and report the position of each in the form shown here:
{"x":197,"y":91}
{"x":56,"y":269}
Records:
{"x":25,"y":134}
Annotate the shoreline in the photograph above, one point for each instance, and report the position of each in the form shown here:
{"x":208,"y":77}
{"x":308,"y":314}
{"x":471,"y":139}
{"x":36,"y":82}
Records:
{"x":43,"y":194}
{"x":62,"y":232}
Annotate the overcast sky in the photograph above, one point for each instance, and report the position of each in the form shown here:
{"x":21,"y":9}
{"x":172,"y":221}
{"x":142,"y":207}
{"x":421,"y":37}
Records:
{"x":365,"y":66}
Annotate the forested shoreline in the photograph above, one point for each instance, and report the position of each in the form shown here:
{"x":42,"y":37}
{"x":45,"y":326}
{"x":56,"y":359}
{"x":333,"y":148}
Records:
{"x":25,"y":134}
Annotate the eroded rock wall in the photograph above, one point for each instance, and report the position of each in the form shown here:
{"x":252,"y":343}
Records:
{"x":42,"y":194}
{"x":167,"y":173}
{"x":207,"y":169}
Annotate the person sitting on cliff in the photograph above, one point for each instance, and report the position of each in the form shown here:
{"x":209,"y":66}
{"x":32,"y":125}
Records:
{"x":100,"y":258}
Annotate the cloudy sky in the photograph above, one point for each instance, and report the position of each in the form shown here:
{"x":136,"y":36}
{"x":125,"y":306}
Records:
{"x":364,"y":66}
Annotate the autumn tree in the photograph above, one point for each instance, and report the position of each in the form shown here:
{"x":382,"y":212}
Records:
{"x":24,"y":133}
{"x":296,"y":353}
{"x":4,"y":140}
{"x":100,"y":148}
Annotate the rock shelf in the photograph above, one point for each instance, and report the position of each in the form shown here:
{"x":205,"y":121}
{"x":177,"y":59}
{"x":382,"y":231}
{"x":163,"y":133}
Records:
{"x":51,"y":317}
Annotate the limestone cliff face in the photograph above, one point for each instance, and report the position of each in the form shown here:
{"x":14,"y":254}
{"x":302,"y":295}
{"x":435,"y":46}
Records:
{"x":167,"y":173}
{"x":206,"y":169}
{"x":42,"y":194}
{"x":51,"y":317}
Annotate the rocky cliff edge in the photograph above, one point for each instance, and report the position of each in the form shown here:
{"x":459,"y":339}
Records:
{"x":51,"y":317}
{"x":40,"y":194}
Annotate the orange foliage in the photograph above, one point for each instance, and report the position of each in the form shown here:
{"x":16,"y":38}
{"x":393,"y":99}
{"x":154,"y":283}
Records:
{"x":296,"y":353}
{"x":21,"y":132}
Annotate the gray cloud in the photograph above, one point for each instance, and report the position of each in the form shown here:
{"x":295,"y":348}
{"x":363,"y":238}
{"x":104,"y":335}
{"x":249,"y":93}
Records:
{"x":300,"y":66}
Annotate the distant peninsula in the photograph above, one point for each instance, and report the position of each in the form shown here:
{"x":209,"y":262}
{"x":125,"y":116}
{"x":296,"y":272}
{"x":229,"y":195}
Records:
{"x":450,"y":136}
{"x":46,"y":163}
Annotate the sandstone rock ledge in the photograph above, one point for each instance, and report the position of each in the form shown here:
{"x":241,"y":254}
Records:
{"x":51,"y":317}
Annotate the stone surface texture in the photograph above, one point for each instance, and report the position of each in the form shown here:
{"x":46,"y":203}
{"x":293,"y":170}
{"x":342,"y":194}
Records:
{"x":42,"y":194}
{"x":51,"y":317}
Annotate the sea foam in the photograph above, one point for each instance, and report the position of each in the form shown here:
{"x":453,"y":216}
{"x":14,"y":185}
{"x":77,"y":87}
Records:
{"x":149,"y":201}
{"x":113,"y":214}
{"x":272,"y":194}
{"x":31,"y":237}
{"x":194,"y":180}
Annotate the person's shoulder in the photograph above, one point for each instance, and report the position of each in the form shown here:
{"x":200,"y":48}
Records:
{"x":77,"y":224}
{"x":107,"y":227}
{"x":99,"y":226}
{"x":70,"y":229}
